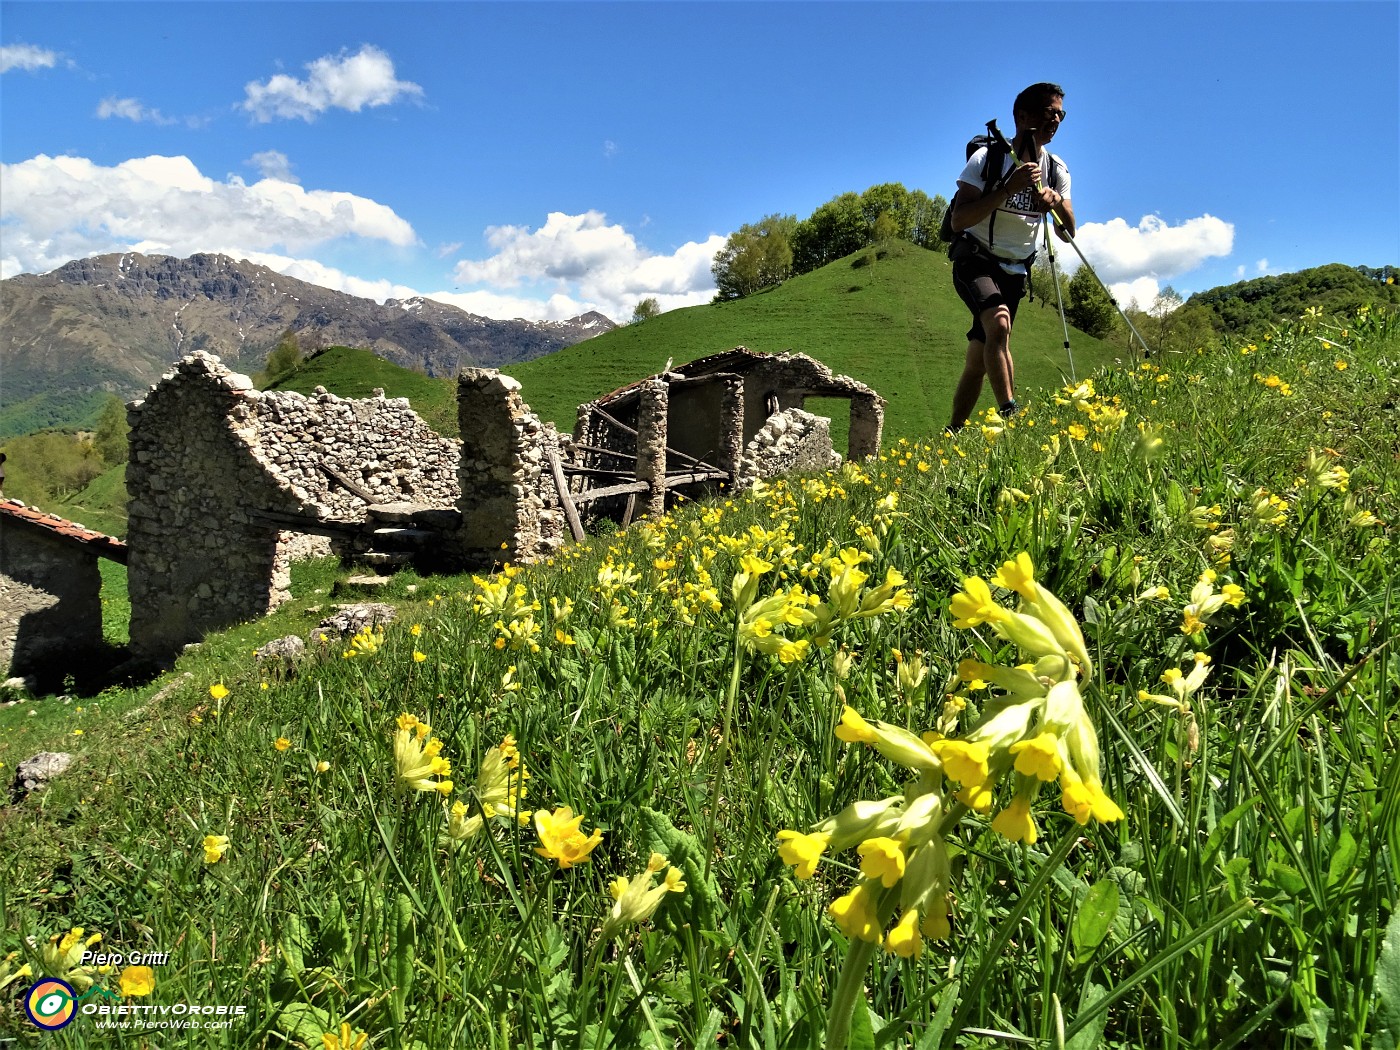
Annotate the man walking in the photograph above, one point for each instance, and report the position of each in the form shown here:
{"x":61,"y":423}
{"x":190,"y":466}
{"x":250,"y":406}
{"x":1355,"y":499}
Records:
{"x":997,"y":216}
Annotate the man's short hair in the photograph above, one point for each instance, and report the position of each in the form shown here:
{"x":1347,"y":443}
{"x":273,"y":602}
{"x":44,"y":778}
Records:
{"x":1037,"y":98}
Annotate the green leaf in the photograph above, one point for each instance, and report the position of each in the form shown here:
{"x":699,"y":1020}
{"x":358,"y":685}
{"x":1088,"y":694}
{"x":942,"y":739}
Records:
{"x":1343,"y":858}
{"x":700,"y":904}
{"x":304,"y":1023}
{"x":1386,"y":1033}
{"x":1095,"y":917}
{"x":401,"y":953}
{"x":1237,"y":877}
{"x":862,"y":1029}
{"x":293,"y":943}
{"x":1091,"y":1035}
{"x":1287,"y":878}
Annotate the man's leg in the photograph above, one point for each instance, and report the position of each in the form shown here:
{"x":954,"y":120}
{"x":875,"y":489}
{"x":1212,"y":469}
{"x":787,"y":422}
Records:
{"x":969,"y":387}
{"x":996,"y":322}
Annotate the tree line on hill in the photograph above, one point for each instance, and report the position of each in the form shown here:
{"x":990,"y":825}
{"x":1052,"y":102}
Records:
{"x":777,"y":247}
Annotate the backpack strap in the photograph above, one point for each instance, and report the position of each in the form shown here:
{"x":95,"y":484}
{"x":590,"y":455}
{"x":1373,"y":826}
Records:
{"x":994,"y":161}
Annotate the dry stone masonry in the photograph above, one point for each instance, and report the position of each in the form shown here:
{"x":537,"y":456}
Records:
{"x":227,"y":484}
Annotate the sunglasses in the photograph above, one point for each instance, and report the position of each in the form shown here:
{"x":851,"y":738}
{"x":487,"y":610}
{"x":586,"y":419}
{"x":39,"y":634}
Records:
{"x":1055,"y":114}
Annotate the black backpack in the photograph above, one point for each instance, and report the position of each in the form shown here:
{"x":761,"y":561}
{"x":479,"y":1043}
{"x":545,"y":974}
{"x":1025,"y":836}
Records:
{"x":998,"y":149}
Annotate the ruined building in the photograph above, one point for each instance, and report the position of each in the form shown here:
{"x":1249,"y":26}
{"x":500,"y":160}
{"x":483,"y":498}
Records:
{"x":228,"y":484}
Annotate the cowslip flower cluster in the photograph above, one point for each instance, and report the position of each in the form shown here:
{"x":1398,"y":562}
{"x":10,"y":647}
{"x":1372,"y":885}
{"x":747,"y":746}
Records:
{"x":418,"y":760}
{"x":365,"y":642}
{"x":62,"y":957}
{"x":1035,"y":730}
{"x":1205,"y":602}
{"x":499,"y":791}
{"x":635,"y":900}
{"x":562,"y":838}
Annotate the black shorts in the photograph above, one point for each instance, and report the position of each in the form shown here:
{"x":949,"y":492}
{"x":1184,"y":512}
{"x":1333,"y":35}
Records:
{"x":981,"y":283}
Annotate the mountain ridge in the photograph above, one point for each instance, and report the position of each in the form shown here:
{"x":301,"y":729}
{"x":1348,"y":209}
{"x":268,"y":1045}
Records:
{"x":114,"y":323}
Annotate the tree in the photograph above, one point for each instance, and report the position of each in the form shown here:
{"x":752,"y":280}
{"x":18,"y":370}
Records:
{"x":1089,"y":307}
{"x":110,"y":431}
{"x":756,"y":256}
{"x":283,"y":360}
{"x":645,"y":310}
{"x":835,"y":230}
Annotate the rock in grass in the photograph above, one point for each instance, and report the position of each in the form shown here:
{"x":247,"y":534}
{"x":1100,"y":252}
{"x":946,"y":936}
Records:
{"x":35,"y":773}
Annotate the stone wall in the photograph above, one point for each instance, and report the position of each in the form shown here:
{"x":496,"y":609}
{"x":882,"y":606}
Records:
{"x":791,"y":441}
{"x":214,"y":462}
{"x":50,"y":602}
{"x":509,"y":503}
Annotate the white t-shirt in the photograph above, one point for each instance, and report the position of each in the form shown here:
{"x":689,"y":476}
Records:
{"x":1013,"y":235}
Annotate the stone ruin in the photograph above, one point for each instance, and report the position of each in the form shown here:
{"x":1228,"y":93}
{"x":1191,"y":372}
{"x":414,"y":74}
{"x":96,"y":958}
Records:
{"x":228,"y":484}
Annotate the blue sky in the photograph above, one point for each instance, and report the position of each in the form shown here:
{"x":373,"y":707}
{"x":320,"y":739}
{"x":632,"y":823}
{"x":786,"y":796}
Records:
{"x":540,"y":159}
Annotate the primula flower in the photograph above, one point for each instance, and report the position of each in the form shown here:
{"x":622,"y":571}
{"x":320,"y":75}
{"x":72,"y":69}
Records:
{"x":218,"y":690}
{"x":882,"y":859}
{"x":636,"y":900}
{"x":137,"y":981}
{"x":855,"y":913}
{"x":1015,"y":823}
{"x":561,"y":839}
{"x":418,"y":758}
{"x":62,"y":957}
{"x":802,"y":851}
{"x":214,"y":846}
{"x":905,"y":939}
{"x":345,"y":1039}
{"x":499,"y":789}
{"x":1038,"y":757}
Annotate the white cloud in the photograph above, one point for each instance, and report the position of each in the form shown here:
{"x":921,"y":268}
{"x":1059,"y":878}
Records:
{"x":55,"y":209}
{"x":343,"y":81}
{"x":273,"y":164}
{"x":593,"y":264}
{"x":1122,"y":253}
{"x":1138,"y":293}
{"x":130,"y":109}
{"x":1262,"y":266}
{"x":26,"y":57}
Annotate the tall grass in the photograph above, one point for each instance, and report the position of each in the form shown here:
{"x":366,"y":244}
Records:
{"x":1238,"y":504}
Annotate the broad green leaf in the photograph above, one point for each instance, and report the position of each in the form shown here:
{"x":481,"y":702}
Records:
{"x":700,"y":904}
{"x":294,"y":942}
{"x":304,"y":1023}
{"x":1094,"y":917}
{"x":1091,"y":1035}
{"x":862,"y":1028}
{"x":401,"y":953}
{"x":1343,"y":858}
{"x":1386,"y":1032}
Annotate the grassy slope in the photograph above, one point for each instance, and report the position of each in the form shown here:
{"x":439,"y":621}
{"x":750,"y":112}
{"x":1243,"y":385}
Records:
{"x":895,"y":325}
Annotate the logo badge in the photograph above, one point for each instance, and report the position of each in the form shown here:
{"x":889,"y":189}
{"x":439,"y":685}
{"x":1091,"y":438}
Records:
{"x":51,"y":1004}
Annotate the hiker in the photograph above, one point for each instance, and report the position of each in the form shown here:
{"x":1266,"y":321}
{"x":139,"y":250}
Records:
{"x":996,"y":216}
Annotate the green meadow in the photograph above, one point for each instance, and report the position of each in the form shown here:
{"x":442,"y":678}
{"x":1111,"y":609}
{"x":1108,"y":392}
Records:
{"x":1077,"y":730}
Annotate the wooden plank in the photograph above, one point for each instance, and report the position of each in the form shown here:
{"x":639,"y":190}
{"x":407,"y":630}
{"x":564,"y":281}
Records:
{"x":315,"y":526}
{"x":612,"y":490}
{"x":562,"y":488}
{"x":606,"y":451}
{"x":600,"y":472}
{"x":355,"y":489}
{"x":669,"y":450}
{"x":674,"y":480}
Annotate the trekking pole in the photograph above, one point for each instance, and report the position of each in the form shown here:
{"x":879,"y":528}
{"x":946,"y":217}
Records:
{"x":1017,"y":162}
{"x":1059,"y":298}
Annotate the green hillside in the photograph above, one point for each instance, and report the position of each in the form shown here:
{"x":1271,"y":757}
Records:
{"x":347,"y":372}
{"x":894,"y":324}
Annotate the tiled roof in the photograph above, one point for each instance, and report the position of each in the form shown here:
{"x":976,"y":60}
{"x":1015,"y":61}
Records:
{"x":13,"y":511}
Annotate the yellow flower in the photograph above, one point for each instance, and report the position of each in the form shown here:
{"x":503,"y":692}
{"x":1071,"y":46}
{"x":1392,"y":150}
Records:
{"x":137,"y":981}
{"x":1083,"y":799}
{"x":882,"y":859}
{"x":561,"y":839}
{"x":418,"y":657}
{"x":905,"y":939}
{"x":636,"y":900}
{"x":215,"y":846}
{"x":1019,"y":575}
{"x":322,"y":766}
{"x":802,"y":851}
{"x":281,"y":743}
{"x":418,"y":758}
{"x":962,"y":761}
{"x":853,"y":729}
{"x":62,"y":957}
{"x":973,"y":604}
{"x":1015,"y":823}
{"x":218,"y":691}
{"x":345,"y":1039}
{"x":1038,"y":757}
{"x":855,"y":914}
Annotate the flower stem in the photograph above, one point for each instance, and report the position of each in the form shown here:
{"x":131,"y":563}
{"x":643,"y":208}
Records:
{"x":851,"y":984}
{"x":722,"y":752}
